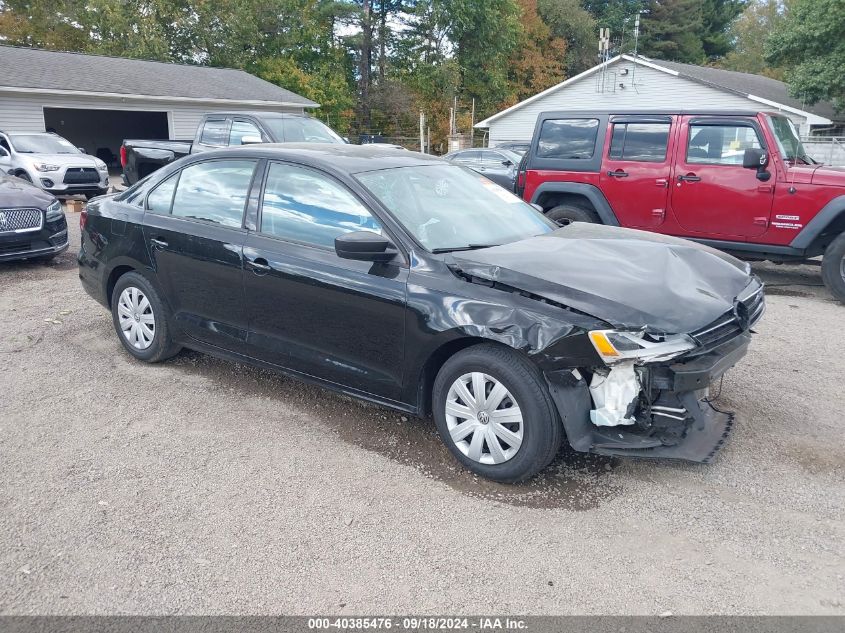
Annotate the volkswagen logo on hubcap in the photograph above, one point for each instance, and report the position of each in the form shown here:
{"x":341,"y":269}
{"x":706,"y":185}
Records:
{"x":483,"y":417}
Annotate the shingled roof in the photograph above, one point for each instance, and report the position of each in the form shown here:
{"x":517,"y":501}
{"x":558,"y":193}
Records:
{"x":36,"y":69}
{"x":747,"y":84}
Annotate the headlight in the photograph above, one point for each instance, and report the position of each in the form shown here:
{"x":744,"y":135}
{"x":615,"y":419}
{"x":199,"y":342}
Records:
{"x":54,"y":211}
{"x":46,"y":167}
{"x":616,"y":345}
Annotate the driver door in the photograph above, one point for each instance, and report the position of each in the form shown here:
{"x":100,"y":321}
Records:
{"x":712,"y":194}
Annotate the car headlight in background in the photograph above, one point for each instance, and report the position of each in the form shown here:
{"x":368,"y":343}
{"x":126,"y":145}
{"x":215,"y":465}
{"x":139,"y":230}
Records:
{"x":617,"y":345}
{"x":46,"y":167}
{"x":54,"y":211}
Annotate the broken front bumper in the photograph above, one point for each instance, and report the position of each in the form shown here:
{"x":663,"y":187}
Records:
{"x":682,"y":424}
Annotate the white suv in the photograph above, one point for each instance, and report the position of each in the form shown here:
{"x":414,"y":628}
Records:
{"x":53,"y":163}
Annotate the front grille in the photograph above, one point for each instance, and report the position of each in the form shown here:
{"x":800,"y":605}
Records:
{"x":748,"y":311}
{"x":81,"y":176}
{"x":20,"y":220}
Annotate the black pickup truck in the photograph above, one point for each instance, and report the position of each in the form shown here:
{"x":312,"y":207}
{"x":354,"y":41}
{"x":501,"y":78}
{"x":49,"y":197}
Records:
{"x":140,"y":158}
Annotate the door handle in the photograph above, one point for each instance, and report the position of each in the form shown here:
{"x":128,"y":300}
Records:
{"x":260,"y":266}
{"x":662,"y":182}
{"x":159,"y":243}
{"x":618,"y":174}
{"x":689,"y":178}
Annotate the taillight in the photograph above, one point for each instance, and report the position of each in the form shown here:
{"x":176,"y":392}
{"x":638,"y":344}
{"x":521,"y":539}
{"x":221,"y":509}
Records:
{"x":83,"y":219}
{"x":123,"y":156}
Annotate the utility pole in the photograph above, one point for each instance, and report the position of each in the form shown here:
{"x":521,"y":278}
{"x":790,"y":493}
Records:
{"x":472,"y":125}
{"x":422,"y":132}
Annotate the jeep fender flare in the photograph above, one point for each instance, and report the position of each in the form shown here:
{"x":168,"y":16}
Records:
{"x":832,"y":211}
{"x":590,"y":192}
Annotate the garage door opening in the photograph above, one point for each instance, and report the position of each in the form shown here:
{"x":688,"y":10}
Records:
{"x":101,"y":132}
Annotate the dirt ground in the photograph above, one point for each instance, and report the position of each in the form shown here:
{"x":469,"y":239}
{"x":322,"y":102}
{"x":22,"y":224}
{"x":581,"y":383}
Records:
{"x":202,"y":486}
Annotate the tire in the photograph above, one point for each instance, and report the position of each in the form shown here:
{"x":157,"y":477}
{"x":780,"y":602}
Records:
{"x":540,"y":428}
{"x":567,"y":214}
{"x":24,"y":176}
{"x":133,"y":288}
{"x":833,"y":267}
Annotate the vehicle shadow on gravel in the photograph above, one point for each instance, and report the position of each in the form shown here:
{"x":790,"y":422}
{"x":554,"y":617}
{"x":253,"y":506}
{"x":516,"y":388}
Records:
{"x":574,"y":481}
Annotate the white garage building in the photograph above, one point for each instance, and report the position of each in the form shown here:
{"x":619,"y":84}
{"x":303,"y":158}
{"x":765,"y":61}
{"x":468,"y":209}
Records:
{"x":628,"y":82}
{"x":96,"y":102}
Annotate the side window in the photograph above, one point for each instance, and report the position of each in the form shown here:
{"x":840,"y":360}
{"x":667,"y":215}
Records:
{"x":471,"y":157}
{"x":645,"y":142}
{"x":5,"y":144}
{"x":215,"y":132}
{"x":720,"y":144}
{"x":568,"y":138}
{"x":304,"y":205}
{"x":241,"y":129}
{"x":160,"y":199}
{"x":492,"y":160}
{"x":215,"y":191}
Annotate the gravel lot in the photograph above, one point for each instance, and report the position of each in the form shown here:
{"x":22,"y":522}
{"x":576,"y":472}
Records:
{"x":201,"y":486}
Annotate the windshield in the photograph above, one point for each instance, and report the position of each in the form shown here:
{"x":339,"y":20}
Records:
{"x":787,"y":139}
{"x":301,"y":130}
{"x":447,"y":207}
{"x":41,"y":144}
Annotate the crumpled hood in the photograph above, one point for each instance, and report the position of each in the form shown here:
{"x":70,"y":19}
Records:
{"x":629,"y":278}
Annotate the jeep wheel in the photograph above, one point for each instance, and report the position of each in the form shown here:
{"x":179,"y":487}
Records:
{"x":833,"y":267}
{"x":567,"y":214}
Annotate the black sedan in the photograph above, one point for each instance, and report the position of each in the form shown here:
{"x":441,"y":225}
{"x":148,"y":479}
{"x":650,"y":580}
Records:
{"x":404,"y":280}
{"x":32,"y":223}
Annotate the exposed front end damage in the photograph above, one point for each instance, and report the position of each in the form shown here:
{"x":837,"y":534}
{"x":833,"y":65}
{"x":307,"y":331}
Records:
{"x":649,"y":410}
{"x":669,"y":318}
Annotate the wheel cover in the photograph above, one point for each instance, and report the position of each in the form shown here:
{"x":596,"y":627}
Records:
{"x":136,"y":318}
{"x":483,"y":419}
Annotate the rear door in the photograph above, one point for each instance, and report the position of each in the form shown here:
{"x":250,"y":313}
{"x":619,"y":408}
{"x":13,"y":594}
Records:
{"x":712,"y":194}
{"x":637,"y":168}
{"x":311,"y":311}
{"x":194,"y":230}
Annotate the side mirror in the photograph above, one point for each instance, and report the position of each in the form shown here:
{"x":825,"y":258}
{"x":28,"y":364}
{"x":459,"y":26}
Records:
{"x":758,"y":159}
{"x":251,"y":140}
{"x":755,"y":158}
{"x":365,"y":246}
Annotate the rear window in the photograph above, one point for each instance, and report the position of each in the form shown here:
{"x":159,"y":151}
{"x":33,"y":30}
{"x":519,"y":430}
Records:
{"x":569,"y":139}
{"x":644,"y":142}
{"x":215,"y":132}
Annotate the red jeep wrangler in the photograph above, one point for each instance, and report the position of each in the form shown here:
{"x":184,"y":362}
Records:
{"x":739,"y":181}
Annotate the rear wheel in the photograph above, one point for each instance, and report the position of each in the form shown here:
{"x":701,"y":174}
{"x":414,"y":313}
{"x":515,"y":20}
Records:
{"x":141,"y":319}
{"x":833,"y":267}
{"x":493,"y":411}
{"x":568,"y":213}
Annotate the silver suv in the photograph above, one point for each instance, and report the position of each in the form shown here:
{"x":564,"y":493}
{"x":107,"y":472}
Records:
{"x":53,"y":163}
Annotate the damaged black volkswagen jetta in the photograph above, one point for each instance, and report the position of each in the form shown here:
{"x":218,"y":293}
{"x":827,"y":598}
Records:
{"x":404,"y":280}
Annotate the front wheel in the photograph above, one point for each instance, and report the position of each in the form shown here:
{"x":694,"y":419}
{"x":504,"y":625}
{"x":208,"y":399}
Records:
{"x":493,"y":411}
{"x":141,"y":320}
{"x":833,"y":267}
{"x":24,"y":176}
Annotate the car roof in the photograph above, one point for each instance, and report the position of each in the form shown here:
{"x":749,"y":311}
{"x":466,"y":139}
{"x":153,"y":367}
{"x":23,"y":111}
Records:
{"x":648,"y":112}
{"x":260,"y":115}
{"x":331,"y":156}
